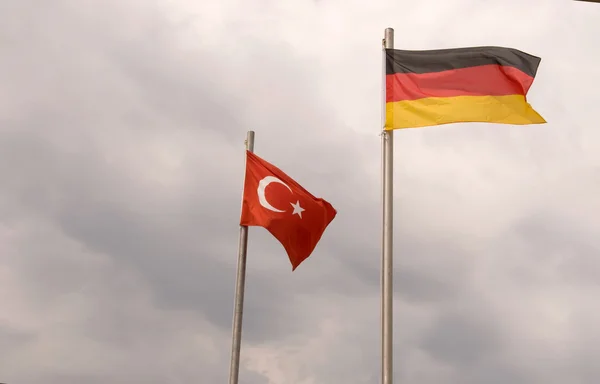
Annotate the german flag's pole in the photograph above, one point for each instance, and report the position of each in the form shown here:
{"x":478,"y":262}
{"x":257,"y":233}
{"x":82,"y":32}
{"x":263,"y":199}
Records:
{"x":387,"y":260}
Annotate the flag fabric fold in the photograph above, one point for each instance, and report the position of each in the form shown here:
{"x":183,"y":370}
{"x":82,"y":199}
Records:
{"x":276,"y":202}
{"x":478,"y":84}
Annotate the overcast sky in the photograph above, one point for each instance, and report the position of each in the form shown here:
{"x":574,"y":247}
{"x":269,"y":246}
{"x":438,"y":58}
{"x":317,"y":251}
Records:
{"x":122,"y":127}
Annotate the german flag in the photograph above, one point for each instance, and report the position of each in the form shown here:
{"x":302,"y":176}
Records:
{"x":478,"y":84}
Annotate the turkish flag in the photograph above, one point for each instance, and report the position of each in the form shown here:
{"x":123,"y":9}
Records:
{"x":274,"y":201}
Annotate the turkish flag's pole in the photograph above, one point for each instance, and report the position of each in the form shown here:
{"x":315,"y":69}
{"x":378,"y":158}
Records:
{"x":238,"y":309}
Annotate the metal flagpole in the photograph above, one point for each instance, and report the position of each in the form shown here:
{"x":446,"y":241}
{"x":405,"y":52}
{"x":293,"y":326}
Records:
{"x":387,"y":260}
{"x":236,"y":340}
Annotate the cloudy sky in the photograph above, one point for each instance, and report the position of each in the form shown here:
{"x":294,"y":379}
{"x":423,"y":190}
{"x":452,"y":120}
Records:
{"x":122,"y":126}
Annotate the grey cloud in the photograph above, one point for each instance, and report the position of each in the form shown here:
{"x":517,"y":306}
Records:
{"x":11,"y":340}
{"x":463,"y":338}
{"x":162,"y":241}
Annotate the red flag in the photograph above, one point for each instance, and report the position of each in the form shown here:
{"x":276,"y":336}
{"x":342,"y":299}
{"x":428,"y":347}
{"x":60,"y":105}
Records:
{"x":274,"y":201}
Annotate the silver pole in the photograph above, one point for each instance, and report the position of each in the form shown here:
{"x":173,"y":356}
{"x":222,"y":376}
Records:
{"x":387,"y":259}
{"x":238,"y":311}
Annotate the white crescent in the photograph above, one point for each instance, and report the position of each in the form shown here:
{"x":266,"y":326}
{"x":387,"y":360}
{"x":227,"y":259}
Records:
{"x":262,"y":186}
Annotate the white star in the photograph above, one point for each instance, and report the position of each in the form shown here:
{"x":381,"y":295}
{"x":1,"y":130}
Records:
{"x":297,"y":208}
